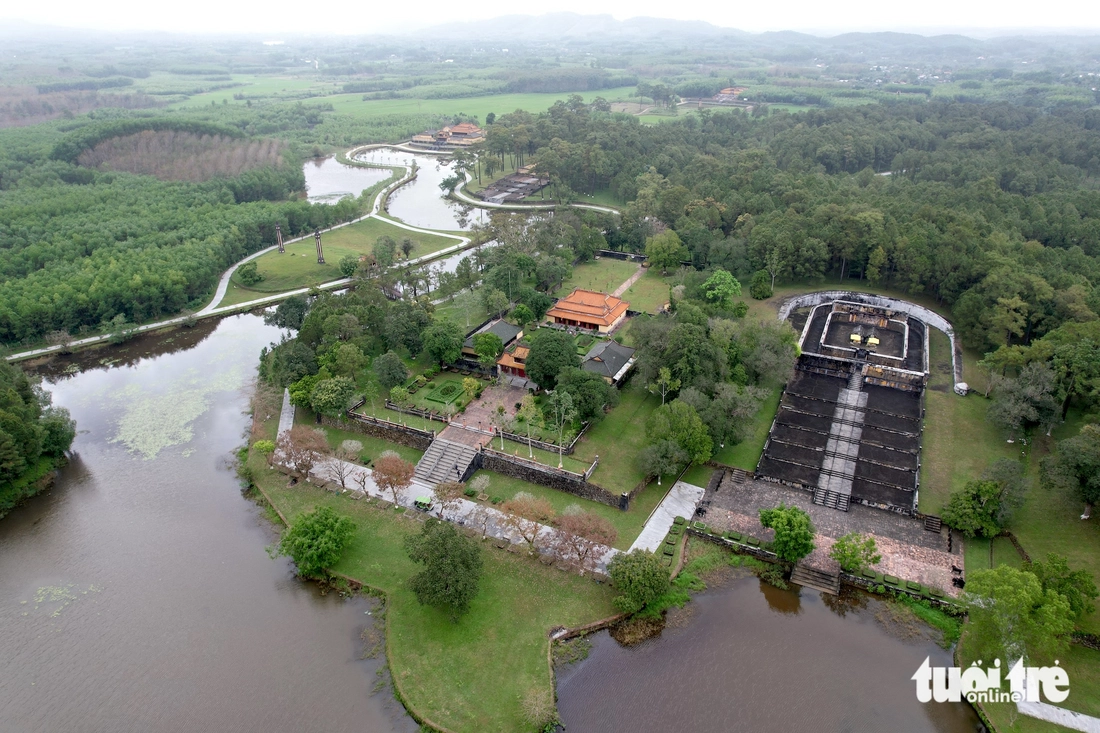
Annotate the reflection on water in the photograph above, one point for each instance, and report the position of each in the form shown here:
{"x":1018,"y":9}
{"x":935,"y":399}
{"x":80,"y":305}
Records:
{"x":137,"y":595}
{"x":328,"y":180}
{"x":421,"y":202}
{"x":754,"y":658}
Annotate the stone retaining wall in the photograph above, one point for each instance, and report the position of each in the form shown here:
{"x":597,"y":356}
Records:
{"x":546,"y":476}
{"x":400,"y":434}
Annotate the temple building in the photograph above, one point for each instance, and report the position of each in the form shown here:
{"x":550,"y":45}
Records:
{"x":455,"y":136}
{"x":589,"y":309}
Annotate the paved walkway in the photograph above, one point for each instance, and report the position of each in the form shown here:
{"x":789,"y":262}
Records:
{"x":629,"y":281}
{"x":286,"y":415}
{"x":680,"y":501}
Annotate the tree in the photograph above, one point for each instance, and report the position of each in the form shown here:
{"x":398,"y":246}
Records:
{"x":663,"y":458}
{"x":346,"y":360}
{"x":522,"y":315}
{"x":678,"y":422}
{"x":1076,"y":586}
{"x":449,"y":495}
{"x":452,"y":567}
{"x":470,"y":386}
{"x":349,"y":264}
{"x":721,"y":288}
{"x":443,"y":341}
{"x":855,"y":552}
{"x":290,"y":313}
{"x":591,"y":393}
{"x":301,"y":448}
{"x":399,"y":395}
{"x":664,"y":383}
{"x":760,"y":287}
{"x":407,"y":247}
{"x":581,"y":536}
{"x":561,"y":416}
{"x":384,"y":251}
{"x":341,"y":467}
{"x":393,"y":473}
{"x":488,"y":347}
{"x":529,"y":413}
{"x":551,"y":352}
{"x":1027,"y":401}
{"x":495,"y":301}
{"x":1012,"y":616}
{"x":316,"y":540}
{"x":794,"y":532}
{"x":526,"y":514}
{"x":391,"y":371}
{"x":332,"y":397}
{"x":248,"y":274}
{"x":665,"y":251}
{"x":639,"y":577}
{"x":974,"y":510}
{"x":1075,"y":466}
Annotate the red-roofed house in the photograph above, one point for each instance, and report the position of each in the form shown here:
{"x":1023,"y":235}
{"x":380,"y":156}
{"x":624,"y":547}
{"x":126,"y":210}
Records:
{"x":589,"y":309}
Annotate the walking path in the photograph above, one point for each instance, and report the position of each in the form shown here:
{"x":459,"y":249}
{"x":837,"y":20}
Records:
{"x":629,"y":281}
{"x":681,"y":501}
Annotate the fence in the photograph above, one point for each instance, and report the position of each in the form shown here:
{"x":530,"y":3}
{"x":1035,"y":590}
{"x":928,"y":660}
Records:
{"x":377,"y":427}
{"x":426,"y":414}
{"x":545,"y":445}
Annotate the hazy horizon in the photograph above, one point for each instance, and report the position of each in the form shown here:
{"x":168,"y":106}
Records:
{"x":282,"y":19}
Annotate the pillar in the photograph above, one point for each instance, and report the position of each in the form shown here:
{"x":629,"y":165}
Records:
{"x":320,"y":252}
{"x":279,"y":238}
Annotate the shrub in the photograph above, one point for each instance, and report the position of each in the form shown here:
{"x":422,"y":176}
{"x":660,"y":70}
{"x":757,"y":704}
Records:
{"x":855,"y":552}
{"x":497,"y":499}
{"x":640,"y":578}
{"x":470,"y":493}
{"x":265,"y":447}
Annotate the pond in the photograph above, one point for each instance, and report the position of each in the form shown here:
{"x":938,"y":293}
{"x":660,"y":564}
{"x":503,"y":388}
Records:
{"x":421,"y":202}
{"x":328,"y":180}
{"x":137,"y":594}
{"x":746,"y":656}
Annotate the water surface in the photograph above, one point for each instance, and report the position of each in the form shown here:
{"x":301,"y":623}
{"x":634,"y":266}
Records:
{"x":749,"y":657}
{"x":137,"y":594}
{"x":328,"y":180}
{"x":421,"y":202}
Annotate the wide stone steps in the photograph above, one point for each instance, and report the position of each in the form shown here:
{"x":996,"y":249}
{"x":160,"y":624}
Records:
{"x":444,"y":461}
{"x":832,"y":499}
{"x":932,"y":523}
{"x":817,"y":579}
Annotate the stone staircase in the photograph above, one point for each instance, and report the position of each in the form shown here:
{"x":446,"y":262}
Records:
{"x":932,"y":523}
{"x":819,"y":580}
{"x":832,"y":499}
{"x":445,"y":461}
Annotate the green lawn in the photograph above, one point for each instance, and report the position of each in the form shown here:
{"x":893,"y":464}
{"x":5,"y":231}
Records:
{"x":468,"y":676}
{"x":604,"y":275}
{"x":628,"y":524}
{"x":479,"y":107}
{"x":465,"y":309}
{"x":947,"y":462}
{"x":298,"y":268}
{"x":372,"y":447}
{"x":746,"y":454}
{"x":649,"y":294}
{"x":618,"y":439}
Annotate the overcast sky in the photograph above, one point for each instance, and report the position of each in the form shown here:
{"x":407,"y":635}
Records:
{"x":358,"y":17}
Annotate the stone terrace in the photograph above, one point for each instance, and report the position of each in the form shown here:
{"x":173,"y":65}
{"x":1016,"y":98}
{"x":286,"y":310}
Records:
{"x":908,"y":551}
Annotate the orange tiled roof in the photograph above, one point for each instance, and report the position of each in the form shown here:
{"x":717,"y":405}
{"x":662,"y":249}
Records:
{"x":589,"y":306}
{"x":466,"y":128}
{"x":510,"y":359}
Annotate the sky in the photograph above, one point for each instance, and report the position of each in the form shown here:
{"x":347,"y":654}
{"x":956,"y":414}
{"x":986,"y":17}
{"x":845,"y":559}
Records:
{"x":348,"y":17}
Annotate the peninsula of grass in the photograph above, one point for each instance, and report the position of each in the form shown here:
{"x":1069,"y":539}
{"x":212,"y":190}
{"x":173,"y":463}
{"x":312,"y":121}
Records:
{"x":649,"y":294}
{"x":298,"y":267}
{"x":604,"y":275}
{"x":469,"y":676}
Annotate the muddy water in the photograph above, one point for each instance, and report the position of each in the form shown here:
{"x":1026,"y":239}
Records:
{"x":137,"y":595}
{"x":328,"y":180}
{"x":749,"y":657}
{"x":421,"y":203}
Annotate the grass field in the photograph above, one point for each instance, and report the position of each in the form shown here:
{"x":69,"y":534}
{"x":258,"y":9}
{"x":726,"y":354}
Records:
{"x":746,"y":454}
{"x":433,"y":661}
{"x":649,"y":293}
{"x":604,"y":275}
{"x":298,"y":267}
{"x":465,"y":309}
{"x":479,"y":107}
{"x":618,"y":439}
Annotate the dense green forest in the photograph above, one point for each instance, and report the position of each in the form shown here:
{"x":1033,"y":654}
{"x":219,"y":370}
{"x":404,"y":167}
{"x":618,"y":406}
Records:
{"x":33,"y":436}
